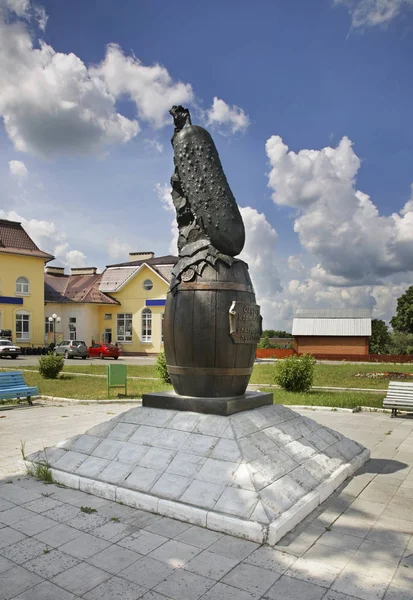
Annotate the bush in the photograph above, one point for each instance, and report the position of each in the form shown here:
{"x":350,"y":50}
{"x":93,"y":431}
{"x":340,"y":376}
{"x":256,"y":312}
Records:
{"x":161,"y":367}
{"x":50,"y":365}
{"x":295,"y":373}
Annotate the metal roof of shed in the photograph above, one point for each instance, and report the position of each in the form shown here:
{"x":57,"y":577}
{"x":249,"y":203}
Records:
{"x":333,"y":313}
{"x":332,"y":321}
{"x":337,"y":327}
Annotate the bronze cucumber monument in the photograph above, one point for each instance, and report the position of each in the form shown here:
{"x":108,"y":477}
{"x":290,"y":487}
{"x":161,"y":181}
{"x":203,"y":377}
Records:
{"x":212,"y":322}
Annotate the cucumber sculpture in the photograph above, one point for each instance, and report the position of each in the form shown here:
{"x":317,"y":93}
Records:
{"x":212,"y":322}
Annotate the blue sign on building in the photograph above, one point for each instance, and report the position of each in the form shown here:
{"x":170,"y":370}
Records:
{"x":10,"y":300}
{"x":155,"y":302}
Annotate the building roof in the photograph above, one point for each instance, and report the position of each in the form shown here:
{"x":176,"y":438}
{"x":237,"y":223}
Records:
{"x":160,"y":260}
{"x":115,"y":276}
{"x":333,"y":313}
{"x":332,"y":322}
{"x":14,"y":240}
{"x":75,"y":288}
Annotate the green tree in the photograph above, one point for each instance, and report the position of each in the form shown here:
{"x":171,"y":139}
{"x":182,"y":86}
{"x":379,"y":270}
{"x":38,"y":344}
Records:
{"x":265,"y":342}
{"x":268,"y":333}
{"x":271,"y":333}
{"x":380,"y":337}
{"x":401,"y":343}
{"x":403,"y":319}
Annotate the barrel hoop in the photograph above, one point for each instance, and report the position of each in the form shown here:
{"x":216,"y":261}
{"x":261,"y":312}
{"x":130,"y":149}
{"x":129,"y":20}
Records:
{"x":208,"y":286}
{"x":231,"y":371}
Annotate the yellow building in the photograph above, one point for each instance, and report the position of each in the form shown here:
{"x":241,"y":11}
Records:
{"x":21,"y":285}
{"x":124,"y":304}
{"x":140,"y":287}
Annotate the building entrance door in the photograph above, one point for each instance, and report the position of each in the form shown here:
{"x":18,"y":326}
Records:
{"x":107,"y":336}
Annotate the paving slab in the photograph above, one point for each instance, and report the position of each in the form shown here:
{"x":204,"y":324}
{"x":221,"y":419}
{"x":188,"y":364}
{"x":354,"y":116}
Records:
{"x":328,"y":555}
{"x":260,"y":472}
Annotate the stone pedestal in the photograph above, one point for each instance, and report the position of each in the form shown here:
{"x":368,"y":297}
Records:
{"x":255,"y":474}
{"x":213,"y":406}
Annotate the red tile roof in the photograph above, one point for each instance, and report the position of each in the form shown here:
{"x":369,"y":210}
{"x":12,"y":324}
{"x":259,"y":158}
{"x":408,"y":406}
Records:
{"x":75,"y":288}
{"x":14,"y":240}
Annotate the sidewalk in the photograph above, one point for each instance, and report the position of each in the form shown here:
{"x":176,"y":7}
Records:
{"x":358,"y":545}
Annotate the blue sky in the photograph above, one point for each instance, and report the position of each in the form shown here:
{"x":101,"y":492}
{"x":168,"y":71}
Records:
{"x":329,"y":79}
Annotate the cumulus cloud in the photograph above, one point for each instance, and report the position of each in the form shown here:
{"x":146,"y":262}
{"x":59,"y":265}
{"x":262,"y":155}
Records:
{"x":372,"y":13}
{"x":228,"y":117}
{"x":18,"y":169}
{"x":51,"y":102}
{"x":296,"y":264}
{"x":151,"y":88}
{"x":335,"y":222}
{"x":259,"y":253}
{"x":118,"y":249}
{"x":163,"y":191}
{"x":49,"y":238}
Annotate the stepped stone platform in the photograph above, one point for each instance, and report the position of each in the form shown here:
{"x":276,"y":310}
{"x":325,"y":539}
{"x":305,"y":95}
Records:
{"x":255,"y":474}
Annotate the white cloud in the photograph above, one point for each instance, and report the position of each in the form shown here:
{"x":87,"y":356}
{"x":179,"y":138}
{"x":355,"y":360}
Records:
{"x":230,"y":117}
{"x":151,"y":88}
{"x":335,"y":222}
{"x":52,"y":102}
{"x":49,"y":238}
{"x":372,"y":13}
{"x":164,"y":194}
{"x":18,"y":169}
{"x":259,"y":254}
{"x":119,"y":250}
{"x":296,"y":264}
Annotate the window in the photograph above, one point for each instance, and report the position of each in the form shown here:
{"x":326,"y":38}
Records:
{"x":22,"y":285}
{"x":124,"y":327}
{"x":162,"y":324}
{"x":108,"y":317}
{"x":72,"y":319}
{"x":22,"y":325}
{"x":146,"y":325}
{"x":147,"y":285}
{"x":48,"y":326}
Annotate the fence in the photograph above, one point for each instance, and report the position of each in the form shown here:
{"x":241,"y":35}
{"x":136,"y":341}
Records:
{"x":391,"y":358}
{"x":274,"y":352}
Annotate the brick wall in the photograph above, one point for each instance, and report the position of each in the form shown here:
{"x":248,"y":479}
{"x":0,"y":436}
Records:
{"x":332,"y":345}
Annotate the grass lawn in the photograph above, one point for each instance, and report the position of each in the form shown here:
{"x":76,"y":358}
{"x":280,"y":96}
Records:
{"x":339,"y":375}
{"x":94,"y":388}
{"x":90,"y":388}
{"x":333,"y":399}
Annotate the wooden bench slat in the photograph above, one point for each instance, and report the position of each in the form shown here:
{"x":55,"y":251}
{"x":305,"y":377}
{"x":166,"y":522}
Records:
{"x":13,"y":385}
{"x":399,"y":396}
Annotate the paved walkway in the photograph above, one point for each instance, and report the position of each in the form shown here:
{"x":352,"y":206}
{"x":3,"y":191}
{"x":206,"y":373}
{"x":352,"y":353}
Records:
{"x":359,"y":544}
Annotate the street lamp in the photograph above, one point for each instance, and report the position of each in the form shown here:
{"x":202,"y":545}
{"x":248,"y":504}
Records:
{"x":54,"y":319}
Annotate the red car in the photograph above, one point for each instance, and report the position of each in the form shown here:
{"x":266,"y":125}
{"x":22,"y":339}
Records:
{"x":103,"y":351}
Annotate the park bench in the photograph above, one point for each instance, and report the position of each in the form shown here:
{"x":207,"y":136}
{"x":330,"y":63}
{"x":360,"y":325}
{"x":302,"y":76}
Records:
{"x":399,"y":397}
{"x":12,"y":385}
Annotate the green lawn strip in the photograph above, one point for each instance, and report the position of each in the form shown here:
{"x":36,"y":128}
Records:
{"x":84,"y":388}
{"x":333,"y":399}
{"x":88,"y":369}
{"x":339,"y":375}
{"x":88,"y":388}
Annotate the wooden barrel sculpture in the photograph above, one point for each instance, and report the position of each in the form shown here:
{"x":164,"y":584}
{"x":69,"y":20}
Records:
{"x":203,"y":359}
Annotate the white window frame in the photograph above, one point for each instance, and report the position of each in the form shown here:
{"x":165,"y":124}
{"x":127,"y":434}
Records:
{"x":23,"y":336}
{"x":122,"y":319}
{"x":22,"y":286}
{"x":146,"y":324}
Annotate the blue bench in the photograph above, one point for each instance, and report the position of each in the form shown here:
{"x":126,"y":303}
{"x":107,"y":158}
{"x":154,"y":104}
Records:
{"x":12,"y":385}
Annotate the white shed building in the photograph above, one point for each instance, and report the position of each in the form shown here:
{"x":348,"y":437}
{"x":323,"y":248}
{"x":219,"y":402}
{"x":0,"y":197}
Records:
{"x":343,"y":331}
